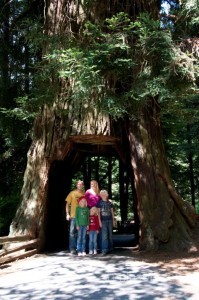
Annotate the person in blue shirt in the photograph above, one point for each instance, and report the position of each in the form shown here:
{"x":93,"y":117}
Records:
{"x":106,"y":219}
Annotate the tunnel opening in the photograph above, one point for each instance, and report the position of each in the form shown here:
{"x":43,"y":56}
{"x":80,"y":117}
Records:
{"x":86,"y":160}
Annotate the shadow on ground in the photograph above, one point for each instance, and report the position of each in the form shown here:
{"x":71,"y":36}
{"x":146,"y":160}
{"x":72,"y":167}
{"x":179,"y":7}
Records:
{"x":120,"y":275}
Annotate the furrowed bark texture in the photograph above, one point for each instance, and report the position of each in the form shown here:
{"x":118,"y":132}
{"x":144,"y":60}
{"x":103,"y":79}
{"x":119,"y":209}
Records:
{"x":50,"y":143}
{"x":165,"y":219}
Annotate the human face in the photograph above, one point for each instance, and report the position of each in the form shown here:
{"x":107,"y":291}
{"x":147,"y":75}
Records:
{"x":104,"y":195}
{"x":93,"y":184}
{"x":80,"y":185}
{"x":83,"y":203}
{"x":93,"y":211}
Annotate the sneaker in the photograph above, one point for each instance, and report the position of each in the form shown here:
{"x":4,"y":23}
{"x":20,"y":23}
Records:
{"x":83,"y":253}
{"x":95,"y":252}
{"x":79,"y":254}
{"x":90,"y":252}
{"x":73,"y":252}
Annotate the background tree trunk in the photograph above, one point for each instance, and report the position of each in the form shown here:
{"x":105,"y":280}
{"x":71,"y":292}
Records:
{"x":191,"y":166}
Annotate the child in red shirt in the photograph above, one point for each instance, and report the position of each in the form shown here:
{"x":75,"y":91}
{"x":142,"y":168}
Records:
{"x":93,"y":230}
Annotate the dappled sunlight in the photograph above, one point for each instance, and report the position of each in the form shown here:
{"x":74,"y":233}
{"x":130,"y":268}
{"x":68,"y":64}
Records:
{"x":115,"y":276}
{"x":180,"y":266}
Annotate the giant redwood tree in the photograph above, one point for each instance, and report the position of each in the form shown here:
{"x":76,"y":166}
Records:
{"x":107,"y":68}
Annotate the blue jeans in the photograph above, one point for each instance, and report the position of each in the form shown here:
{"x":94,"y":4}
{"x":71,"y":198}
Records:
{"x":73,"y":235}
{"x":107,"y":239}
{"x":81,"y":239}
{"x":93,"y":240}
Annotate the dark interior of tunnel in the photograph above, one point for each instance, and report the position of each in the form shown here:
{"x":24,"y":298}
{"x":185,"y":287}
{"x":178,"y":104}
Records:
{"x":60,"y":184}
{"x":56,"y":236}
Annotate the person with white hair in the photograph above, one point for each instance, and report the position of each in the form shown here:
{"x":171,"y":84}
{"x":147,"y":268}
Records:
{"x":107,"y":221}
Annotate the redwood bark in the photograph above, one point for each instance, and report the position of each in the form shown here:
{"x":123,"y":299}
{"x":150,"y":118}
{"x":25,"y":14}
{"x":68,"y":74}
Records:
{"x":50,"y":143}
{"x":165,"y":219}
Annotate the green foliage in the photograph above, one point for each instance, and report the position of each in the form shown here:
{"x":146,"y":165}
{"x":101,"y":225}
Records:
{"x":22,"y":111}
{"x":189,"y":15}
{"x":12,"y":166}
{"x":17,"y":111}
{"x":8,"y":206}
{"x":32,"y":30}
{"x":15,"y":126}
{"x":121,"y":23}
{"x":180,"y":130}
{"x":116,"y":67}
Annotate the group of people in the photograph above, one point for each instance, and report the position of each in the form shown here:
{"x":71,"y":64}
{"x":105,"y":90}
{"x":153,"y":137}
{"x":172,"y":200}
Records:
{"x":90,"y":213}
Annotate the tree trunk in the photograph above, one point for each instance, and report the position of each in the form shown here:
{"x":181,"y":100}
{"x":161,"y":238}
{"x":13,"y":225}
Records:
{"x":165,"y":219}
{"x":50,"y":143}
{"x":4,"y":57}
{"x":191,"y":166}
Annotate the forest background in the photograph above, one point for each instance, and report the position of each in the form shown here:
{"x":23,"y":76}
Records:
{"x":21,"y":73}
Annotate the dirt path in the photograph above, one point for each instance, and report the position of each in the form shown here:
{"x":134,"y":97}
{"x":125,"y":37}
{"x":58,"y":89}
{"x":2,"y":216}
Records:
{"x":125,"y":274}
